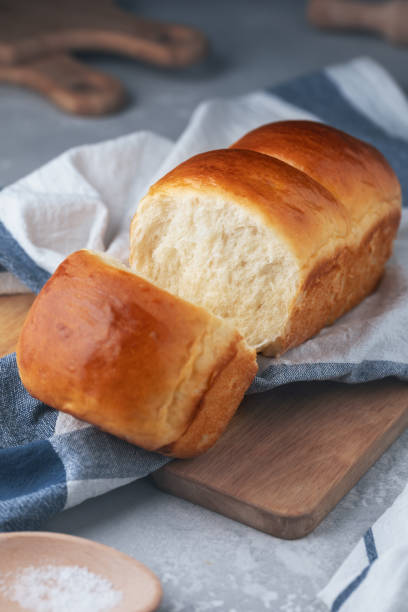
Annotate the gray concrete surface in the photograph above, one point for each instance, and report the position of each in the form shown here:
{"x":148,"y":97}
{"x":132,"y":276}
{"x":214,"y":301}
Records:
{"x":206,"y":561}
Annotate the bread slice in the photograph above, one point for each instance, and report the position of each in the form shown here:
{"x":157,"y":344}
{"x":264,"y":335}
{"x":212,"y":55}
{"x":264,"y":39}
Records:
{"x":280,"y":234}
{"x":108,"y":347}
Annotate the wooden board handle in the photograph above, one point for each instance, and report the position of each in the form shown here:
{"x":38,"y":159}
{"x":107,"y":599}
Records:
{"x":29,"y":30}
{"x":389,"y":18}
{"x":166,"y":45}
{"x":71,"y":85}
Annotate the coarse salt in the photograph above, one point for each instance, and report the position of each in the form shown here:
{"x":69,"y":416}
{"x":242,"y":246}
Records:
{"x":59,"y":588}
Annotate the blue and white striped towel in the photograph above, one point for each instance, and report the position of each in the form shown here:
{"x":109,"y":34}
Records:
{"x":85,"y":198}
{"x":374,"y":577}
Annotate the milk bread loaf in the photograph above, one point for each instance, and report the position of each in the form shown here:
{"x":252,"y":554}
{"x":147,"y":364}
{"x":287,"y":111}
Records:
{"x":281,"y":233}
{"x":108,"y":347}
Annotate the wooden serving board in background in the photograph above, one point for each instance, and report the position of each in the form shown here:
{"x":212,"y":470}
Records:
{"x":288,"y":456}
{"x":36,"y":38}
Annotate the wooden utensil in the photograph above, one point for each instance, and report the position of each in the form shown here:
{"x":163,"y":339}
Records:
{"x":389,"y":19}
{"x":139,"y":588}
{"x":288,"y":456}
{"x":36,"y":36}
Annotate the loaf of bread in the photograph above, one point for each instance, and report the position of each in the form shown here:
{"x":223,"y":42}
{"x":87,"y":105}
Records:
{"x":110,"y":348}
{"x":280,"y":234}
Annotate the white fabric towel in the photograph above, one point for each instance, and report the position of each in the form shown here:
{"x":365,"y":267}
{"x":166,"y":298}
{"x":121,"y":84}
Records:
{"x":374,"y":577}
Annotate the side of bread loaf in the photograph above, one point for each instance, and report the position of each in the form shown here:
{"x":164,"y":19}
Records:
{"x":108,"y":347}
{"x":281,"y":234}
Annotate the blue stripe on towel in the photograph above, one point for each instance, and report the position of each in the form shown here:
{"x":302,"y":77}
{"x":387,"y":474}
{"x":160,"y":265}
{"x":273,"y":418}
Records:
{"x":371,"y":548}
{"x":345,"y":594}
{"x":14,"y":259}
{"x":372,"y":556}
{"x":318,"y":94}
{"x":23,"y":418}
{"x":282,"y":373}
{"x":23,"y":470}
{"x":32,"y":485}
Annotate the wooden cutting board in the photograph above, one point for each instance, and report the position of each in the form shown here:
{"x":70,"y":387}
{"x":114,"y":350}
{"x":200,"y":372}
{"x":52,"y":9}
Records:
{"x":35,"y":38}
{"x":288,"y":456}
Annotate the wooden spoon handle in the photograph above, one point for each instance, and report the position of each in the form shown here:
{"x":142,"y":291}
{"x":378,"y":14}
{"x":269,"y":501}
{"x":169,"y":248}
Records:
{"x":71,"y":85}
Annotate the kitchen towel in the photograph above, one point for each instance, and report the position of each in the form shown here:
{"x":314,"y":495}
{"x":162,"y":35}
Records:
{"x":86,"y":197}
{"x":374,"y":576}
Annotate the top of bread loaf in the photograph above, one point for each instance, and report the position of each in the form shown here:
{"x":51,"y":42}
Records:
{"x":268,"y":188}
{"x":312,"y":182}
{"x":353,"y":171}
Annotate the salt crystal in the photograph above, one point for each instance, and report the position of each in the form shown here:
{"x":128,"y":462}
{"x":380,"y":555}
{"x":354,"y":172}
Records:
{"x":60,"y":588}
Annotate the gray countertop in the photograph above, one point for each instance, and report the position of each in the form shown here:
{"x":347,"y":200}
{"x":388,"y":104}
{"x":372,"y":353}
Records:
{"x":206,"y":561}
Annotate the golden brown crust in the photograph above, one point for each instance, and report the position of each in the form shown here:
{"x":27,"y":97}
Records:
{"x":336,"y":285}
{"x":223,"y":396}
{"x":352,"y":170}
{"x":108,"y":347}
